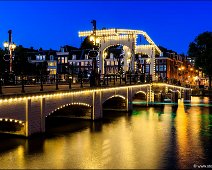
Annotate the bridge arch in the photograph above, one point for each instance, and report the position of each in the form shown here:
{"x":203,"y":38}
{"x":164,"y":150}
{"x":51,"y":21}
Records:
{"x":128,"y":43}
{"x":140,"y":95}
{"x":12,"y":125}
{"x":115,"y":102}
{"x":127,"y":57}
{"x":70,"y":106}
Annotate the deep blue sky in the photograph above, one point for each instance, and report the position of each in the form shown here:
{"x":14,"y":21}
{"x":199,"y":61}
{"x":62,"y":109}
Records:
{"x":51,"y":24}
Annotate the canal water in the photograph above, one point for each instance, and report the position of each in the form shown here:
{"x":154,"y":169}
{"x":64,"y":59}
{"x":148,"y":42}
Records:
{"x":150,"y":137}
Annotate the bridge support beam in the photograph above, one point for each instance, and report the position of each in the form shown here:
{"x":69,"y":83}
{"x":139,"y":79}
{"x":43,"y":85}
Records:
{"x":129,"y":99}
{"x":180,"y":93}
{"x":34,"y":117}
{"x":187,"y":95}
{"x":42,"y":115}
{"x":27,"y":113}
{"x":152,"y":65}
{"x":174,"y":97}
{"x":97,"y":105}
{"x":101,"y":62}
{"x":150,"y":94}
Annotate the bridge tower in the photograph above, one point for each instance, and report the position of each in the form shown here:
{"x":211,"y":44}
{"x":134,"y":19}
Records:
{"x":128,"y":39}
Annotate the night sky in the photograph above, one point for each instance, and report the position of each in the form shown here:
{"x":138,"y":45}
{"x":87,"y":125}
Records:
{"x":51,"y":24}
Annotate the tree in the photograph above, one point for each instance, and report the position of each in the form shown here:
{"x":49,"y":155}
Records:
{"x":20,"y":63}
{"x":201,"y":51}
{"x":2,"y":61}
{"x":87,"y":44}
{"x":41,"y":68}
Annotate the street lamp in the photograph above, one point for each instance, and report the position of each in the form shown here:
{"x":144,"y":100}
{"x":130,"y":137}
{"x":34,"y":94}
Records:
{"x":11,"y":47}
{"x":182,"y":71}
{"x":93,"y":54}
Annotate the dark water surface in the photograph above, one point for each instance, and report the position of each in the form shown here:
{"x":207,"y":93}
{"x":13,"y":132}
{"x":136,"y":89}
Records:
{"x":161,"y":137}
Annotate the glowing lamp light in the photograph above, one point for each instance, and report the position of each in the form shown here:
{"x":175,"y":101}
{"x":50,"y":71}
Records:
{"x":13,"y":46}
{"x":97,"y":40}
{"x":196,"y":78}
{"x":91,"y":38}
{"x":6,"y":44}
{"x":148,"y":60}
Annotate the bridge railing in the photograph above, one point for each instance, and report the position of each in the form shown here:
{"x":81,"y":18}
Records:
{"x":78,"y":82}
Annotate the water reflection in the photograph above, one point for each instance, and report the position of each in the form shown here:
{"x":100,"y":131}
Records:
{"x":167,"y":137}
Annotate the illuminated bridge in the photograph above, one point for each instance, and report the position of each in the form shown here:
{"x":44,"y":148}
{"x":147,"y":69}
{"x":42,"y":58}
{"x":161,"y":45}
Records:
{"x":127,"y":38}
{"x":27,"y":114}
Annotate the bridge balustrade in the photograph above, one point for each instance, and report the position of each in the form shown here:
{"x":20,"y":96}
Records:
{"x":73,"y":82}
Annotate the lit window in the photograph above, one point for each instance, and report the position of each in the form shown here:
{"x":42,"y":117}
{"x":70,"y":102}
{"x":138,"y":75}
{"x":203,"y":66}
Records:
{"x":111,"y":55}
{"x":40,"y":57}
{"x":52,"y":71}
{"x":74,"y":57}
{"x":86,"y":56}
{"x":51,"y":57}
{"x":51,"y":63}
{"x":63,"y":61}
{"x":66,"y":59}
{"x":161,"y":68}
{"x":147,"y":68}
